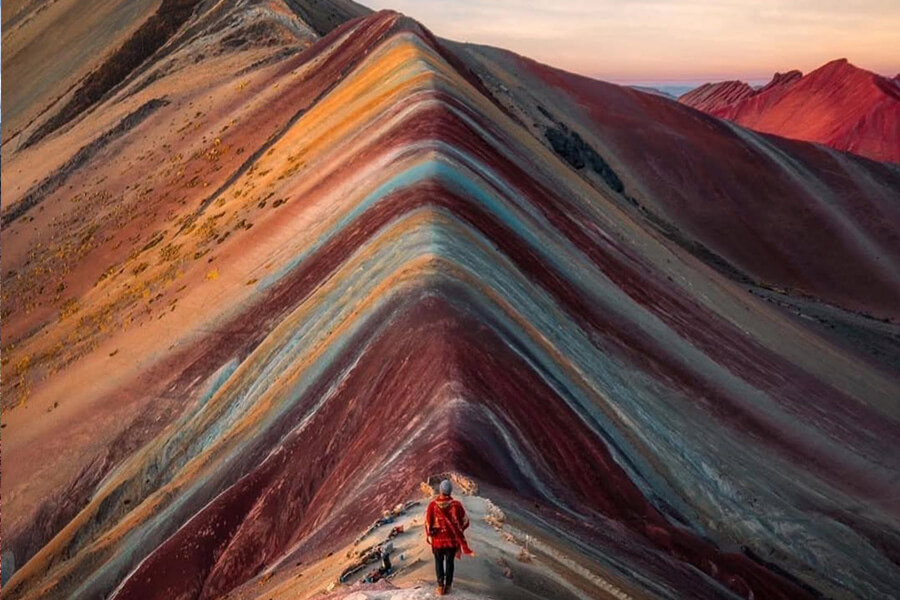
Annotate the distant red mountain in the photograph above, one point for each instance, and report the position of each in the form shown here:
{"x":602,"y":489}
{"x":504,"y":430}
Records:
{"x":838,"y":104}
{"x":711,"y":97}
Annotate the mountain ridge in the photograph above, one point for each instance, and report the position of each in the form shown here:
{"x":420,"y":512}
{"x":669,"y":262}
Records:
{"x":837,"y":104}
{"x":367,"y":262}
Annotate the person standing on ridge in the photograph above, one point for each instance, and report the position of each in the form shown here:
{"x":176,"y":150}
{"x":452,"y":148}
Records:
{"x":445,"y":522}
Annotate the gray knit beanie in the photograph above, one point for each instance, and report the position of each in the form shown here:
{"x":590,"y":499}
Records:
{"x":446,"y":487}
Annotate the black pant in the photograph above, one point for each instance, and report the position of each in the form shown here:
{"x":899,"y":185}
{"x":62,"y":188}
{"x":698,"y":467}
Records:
{"x":443,"y":565}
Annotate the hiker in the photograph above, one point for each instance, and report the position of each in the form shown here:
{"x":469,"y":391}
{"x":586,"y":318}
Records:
{"x":445,"y":521}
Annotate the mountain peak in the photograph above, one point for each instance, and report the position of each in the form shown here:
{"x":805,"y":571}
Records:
{"x":838,"y":104}
{"x":838,"y":70}
{"x":710,"y":96}
{"x":782,"y":80}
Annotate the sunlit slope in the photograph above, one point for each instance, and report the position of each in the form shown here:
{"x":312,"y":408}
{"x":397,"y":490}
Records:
{"x":838,"y":104}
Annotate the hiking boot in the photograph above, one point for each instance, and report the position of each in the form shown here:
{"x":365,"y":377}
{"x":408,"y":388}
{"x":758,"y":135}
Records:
{"x":439,"y":591}
{"x":446,"y":590}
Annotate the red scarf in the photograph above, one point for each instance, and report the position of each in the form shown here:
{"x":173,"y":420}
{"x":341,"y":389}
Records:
{"x":448,"y":523}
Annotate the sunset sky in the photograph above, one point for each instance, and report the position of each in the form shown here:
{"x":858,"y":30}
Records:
{"x":687,"y":40}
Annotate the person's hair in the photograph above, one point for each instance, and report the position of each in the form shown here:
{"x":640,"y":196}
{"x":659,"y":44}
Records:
{"x":446,"y":487}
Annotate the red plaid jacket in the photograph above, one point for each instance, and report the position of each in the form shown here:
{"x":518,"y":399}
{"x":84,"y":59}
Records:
{"x":445,"y":521}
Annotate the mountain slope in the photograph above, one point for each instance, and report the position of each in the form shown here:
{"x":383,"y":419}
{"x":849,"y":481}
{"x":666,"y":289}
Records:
{"x":710,"y":97}
{"x":782,"y":213}
{"x":838,"y":104}
{"x":93,"y":49}
{"x":255,"y":300}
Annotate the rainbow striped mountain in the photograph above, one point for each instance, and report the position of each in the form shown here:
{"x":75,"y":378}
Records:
{"x":271,"y":267}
